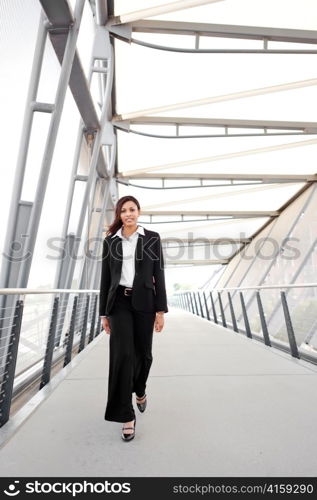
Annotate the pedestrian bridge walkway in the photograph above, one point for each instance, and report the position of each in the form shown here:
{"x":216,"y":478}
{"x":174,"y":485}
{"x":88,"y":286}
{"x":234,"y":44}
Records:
{"x":219,"y":404}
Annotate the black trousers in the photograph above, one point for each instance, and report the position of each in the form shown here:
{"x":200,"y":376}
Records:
{"x":130,"y":357}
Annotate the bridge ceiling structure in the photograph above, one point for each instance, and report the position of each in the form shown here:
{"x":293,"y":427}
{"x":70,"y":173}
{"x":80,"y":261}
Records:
{"x":201,"y":109}
{"x":215,"y":132}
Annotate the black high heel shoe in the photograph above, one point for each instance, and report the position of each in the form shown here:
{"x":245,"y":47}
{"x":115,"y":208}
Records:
{"x":128,"y":437}
{"x":141,"y":406}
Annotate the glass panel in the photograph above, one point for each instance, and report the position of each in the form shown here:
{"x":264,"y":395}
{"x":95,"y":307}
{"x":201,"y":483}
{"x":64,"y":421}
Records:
{"x":39,"y":133}
{"x":16,"y":60}
{"x":52,"y":218}
{"x":50,"y":74}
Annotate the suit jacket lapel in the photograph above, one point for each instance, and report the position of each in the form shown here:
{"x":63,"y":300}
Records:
{"x":139,"y":251}
{"x":117,"y":253}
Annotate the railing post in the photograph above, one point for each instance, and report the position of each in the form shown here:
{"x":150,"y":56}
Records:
{"x":47,"y":366}
{"x":84,"y":327}
{"x":70,"y":338}
{"x":98,"y":322}
{"x":222,"y":311}
{"x":263,"y":321}
{"x":183,"y":301}
{"x":93,"y":321}
{"x":11,"y":360}
{"x":186,"y":301}
{"x":191,"y":302}
{"x":289,"y":327}
{"x":206,"y":306}
{"x":234,"y":321}
{"x":245,"y":317}
{"x":194,"y":294}
{"x":213,"y":308}
{"x":200,"y":306}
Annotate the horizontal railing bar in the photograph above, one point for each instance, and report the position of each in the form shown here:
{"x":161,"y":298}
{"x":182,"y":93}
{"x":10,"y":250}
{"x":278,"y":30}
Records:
{"x":26,"y":291}
{"x":264,"y":287}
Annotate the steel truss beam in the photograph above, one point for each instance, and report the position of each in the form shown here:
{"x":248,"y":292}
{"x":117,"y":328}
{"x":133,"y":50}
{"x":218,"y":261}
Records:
{"x":223,"y":31}
{"x":299,"y":127}
{"x":197,"y":30}
{"x":267,"y":178}
{"x":212,"y":213}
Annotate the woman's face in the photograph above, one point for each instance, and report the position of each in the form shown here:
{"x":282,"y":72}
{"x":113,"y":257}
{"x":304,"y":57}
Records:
{"x":129,"y":214}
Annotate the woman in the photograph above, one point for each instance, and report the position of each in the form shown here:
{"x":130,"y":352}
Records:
{"x":132,"y":302}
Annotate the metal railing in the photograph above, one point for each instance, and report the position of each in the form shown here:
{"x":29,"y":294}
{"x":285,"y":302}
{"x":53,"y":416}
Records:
{"x":270,"y":322}
{"x":40,"y":332}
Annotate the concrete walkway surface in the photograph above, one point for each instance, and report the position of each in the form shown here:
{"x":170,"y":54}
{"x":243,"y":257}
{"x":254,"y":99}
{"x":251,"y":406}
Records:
{"x":219,"y":404}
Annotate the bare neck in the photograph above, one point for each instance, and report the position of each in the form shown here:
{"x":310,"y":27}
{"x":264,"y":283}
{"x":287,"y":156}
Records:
{"x":128,"y":231}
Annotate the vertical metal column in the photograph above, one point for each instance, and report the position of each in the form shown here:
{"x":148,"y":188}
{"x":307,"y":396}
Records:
{"x":263,"y":321}
{"x":105,"y":137}
{"x":7,"y":384}
{"x":46,"y":373}
{"x":245,"y":317}
{"x":289,"y":327}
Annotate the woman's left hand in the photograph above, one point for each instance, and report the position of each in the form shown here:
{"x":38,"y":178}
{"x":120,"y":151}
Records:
{"x":159,"y":322}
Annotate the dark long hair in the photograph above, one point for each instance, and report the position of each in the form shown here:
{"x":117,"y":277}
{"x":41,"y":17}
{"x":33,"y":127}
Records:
{"x":117,"y":223}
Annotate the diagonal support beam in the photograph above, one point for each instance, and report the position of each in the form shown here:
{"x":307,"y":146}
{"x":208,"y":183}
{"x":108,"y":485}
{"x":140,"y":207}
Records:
{"x":221,"y":98}
{"x":159,"y":10}
{"x":226,"y":156}
{"x":61,"y":19}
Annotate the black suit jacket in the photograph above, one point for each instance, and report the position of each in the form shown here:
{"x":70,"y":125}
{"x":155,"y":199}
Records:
{"x":149,"y":293}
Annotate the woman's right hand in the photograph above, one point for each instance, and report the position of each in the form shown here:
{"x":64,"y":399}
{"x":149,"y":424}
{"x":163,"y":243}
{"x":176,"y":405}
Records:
{"x":105,"y":325}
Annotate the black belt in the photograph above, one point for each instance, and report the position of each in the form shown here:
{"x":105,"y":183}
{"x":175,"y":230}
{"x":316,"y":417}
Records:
{"x":126,"y":290}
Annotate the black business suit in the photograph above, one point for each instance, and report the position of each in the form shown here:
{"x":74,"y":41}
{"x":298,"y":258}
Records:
{"x":131,"y":319}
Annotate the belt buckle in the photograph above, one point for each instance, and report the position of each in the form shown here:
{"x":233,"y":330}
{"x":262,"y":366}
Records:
{"x":127,"y":291}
